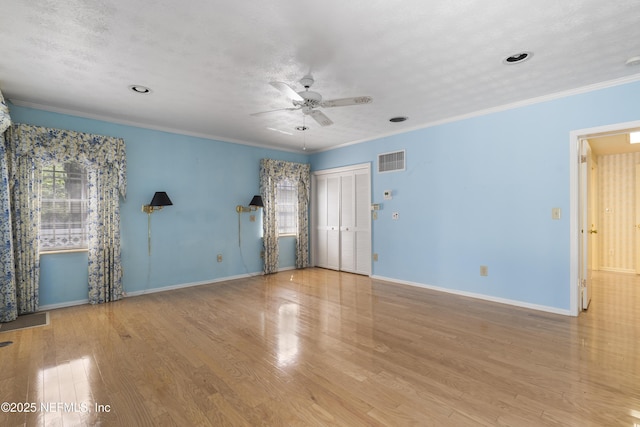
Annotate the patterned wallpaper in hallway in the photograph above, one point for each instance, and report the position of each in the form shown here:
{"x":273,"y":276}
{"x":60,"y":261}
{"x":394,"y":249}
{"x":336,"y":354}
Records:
{"x":616,"y":228}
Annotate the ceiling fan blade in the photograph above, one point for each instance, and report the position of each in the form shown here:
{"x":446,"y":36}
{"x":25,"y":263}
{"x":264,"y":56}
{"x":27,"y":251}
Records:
{"x":319,"y":117}
{"x":274,"y":111}
{"x":343,"y":102}
{"x":287,"y":90}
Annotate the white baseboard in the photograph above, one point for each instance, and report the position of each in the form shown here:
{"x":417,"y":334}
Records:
{"x":188,"y":285}
{"x":516,"y":303}
{"x":150,"y":291}
{"x":63,"y":305}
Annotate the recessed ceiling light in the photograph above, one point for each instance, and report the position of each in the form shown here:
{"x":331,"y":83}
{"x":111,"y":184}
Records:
{"x":517,"y":58}
{"x":635,"y":60}
{"x":140,"y":89}
{"x":302,"y":128}
{"x":398,"y":119}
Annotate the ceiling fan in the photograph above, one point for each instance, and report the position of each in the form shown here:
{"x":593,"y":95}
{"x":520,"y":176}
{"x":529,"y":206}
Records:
{"x":308,"y":101}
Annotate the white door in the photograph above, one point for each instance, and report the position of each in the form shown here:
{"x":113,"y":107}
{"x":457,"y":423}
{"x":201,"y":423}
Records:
{"x":347,"y":223}
{"x":362,"y":224}
{"x":333,"y":222}
{"x":585,"y":225}
{"x":321,"y":234}
{"x":343,"y":216}
{"x":355,"y":222}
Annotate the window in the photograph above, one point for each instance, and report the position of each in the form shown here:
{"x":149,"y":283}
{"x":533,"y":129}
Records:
{"x":287,"y":207}
{"x":63,"y":210}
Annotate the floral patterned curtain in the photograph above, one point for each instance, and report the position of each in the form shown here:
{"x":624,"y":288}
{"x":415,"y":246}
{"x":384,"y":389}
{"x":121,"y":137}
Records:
{"x":29,"y":149}
{"x":8,"y":308}
{"x":5,"y":119}
{"x":271,"y":172}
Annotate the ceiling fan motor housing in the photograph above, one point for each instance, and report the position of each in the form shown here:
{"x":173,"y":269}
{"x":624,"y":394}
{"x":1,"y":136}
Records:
{"x":311,"y":99}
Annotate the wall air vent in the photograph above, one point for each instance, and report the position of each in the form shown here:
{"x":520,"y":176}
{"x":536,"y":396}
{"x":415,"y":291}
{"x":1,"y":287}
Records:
{"x":391,"y":162}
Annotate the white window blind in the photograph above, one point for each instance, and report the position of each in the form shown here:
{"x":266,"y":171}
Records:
{"x":287,"y":207}
{"x":63,"y":208}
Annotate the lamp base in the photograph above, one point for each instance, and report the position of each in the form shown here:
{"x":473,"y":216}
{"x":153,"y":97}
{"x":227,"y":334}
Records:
{"x":241,"y":208}
{"x":148,"y":209}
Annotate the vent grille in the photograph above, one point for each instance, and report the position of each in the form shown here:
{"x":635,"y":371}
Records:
{"x":391,"y":162}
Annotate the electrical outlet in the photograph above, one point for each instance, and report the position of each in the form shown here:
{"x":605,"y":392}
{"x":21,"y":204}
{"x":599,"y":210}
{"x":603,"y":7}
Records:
{"x":375,"y":257}
{"x":395,"y":215}
{"x":484,"y":270}
{"x":219,"y":257}
{"x":252,"y":218}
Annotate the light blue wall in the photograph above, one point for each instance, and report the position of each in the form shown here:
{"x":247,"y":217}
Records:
{"x":476,"y":192}
{"x":286,"y":252}
{"x":205,"y":180}
{"x":480,"y":192}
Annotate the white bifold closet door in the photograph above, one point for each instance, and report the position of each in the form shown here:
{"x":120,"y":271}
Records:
{"x":343,"y":215}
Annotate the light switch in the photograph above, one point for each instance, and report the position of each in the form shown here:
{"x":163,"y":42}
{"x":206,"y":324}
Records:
{"x":556,"y":213}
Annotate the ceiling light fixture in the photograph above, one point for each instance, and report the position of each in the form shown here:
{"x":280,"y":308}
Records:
{"x":303,"y":128}
{"x":635,"y":60}
{"x":634,"y":137}
{"x":517,"y":58}
{"x":398,"y":119}
{"x":140,"y":89}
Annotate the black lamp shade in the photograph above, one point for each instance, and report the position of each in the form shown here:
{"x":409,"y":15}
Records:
{"x":160,"y":199}
{"x":256,"y":201}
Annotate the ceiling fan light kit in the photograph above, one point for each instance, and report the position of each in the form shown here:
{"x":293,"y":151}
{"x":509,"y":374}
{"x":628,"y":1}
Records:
{"x":309,"y":101}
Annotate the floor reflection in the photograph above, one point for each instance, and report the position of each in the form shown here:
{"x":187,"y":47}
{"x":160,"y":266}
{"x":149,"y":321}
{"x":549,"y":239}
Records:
{"x":64,"y":392}
{"x":287,"y":333}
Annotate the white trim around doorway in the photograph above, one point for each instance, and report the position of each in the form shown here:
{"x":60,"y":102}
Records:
{"x":574,"y":207}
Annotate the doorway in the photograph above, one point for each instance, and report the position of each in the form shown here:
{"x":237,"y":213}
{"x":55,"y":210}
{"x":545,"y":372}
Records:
{"x":596,"y":155}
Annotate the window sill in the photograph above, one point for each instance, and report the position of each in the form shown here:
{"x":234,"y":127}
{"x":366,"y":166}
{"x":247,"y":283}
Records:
{"x":286,"y":235}
{"x":63,"y":251}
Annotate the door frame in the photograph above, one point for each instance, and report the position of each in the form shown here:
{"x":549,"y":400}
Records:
{"x":574,"y":202}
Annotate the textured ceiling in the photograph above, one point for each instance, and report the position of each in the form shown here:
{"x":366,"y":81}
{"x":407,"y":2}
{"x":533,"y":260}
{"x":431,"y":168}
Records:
{"x":209,"y":62}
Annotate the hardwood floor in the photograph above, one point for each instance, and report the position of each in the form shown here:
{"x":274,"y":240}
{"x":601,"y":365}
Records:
{"x":318,"y":347}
